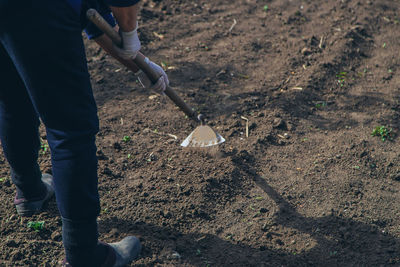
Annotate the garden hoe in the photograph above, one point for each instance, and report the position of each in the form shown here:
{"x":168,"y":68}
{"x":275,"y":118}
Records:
{"x":203,"y":135}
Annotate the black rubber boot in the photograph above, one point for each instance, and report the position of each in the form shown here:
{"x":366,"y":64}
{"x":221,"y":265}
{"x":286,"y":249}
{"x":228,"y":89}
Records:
{"x":117,"y":254}
{"x":27,"y":207}
{"x":126,"y":250}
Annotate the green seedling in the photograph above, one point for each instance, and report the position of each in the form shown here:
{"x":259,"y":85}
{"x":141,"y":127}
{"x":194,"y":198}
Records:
{"x":204,"y":46}
{"x":198,"y":252}
{"x":332,"y":253}
{"x":126,"y":138}
{"x":36,"y":225}
{"x":105,"y":210}
{"x":265,"y":8}
{"x":3,"y":179}
{"x":341,"y":78}
{"x":320,"y":104}
{"x":129,"y":156}
{"x":384,"y":45}
{"x":43,"y":148}
{"x":383,"y":132}
{"x":259,"y":198}
{"x":243,"y":76}
{"x":164,"y":65}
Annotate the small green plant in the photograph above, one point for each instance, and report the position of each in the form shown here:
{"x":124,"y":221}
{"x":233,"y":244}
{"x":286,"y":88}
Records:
{"x":265,"y":8}
{"x":341,"y":78}
{"x":126,"y":138}
{"x":3,"y":179}
{"x":321,"y":104}
{"x":44,"y":147}
{"x":383,"y":132}
{"x":104,"y":211}
{"x":36,"y":225}
{"x":129,"y":156}
{"x":333,"y":253}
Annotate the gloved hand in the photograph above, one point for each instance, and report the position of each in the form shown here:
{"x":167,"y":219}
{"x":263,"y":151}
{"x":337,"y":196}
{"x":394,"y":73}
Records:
{"x":160,"y":85}
{"x":130,"y":44}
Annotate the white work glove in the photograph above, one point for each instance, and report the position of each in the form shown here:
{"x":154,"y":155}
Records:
{"x":162,"y":83}
{"x":130,"y":44}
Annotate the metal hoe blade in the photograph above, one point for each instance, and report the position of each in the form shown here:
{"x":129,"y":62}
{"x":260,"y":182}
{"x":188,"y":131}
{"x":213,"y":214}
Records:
{"x":203,"y":136}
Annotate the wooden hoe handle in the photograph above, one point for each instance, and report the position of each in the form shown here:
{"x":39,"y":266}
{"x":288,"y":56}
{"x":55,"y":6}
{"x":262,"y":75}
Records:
{"x":139,"y":60}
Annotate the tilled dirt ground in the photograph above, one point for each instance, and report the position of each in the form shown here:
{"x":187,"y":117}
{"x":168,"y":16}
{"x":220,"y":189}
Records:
{"x":308,"y":186}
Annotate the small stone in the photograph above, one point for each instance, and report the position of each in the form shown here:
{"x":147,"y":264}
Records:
{"x":176,"y":255}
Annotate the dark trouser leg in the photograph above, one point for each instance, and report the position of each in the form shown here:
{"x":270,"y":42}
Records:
{"x":19,"y":132}
{"x":45,"y":43}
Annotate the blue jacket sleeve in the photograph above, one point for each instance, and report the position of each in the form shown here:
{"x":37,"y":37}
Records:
{"x":92,"y":31}
{"x":122,"y":3}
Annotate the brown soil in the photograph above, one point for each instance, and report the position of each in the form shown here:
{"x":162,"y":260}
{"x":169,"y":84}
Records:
{"x":309,"y":186}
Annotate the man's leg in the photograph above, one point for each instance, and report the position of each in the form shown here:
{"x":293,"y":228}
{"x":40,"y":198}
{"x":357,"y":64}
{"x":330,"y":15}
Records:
{"x":19,"y":132}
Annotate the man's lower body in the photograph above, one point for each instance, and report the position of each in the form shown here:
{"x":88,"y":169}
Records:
{"x":43,"y":73}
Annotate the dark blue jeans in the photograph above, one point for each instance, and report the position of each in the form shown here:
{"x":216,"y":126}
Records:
{"x":43,"y":74}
